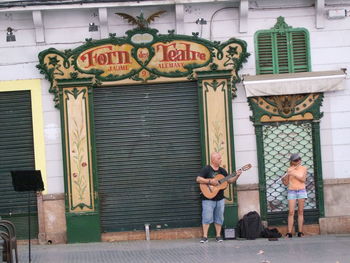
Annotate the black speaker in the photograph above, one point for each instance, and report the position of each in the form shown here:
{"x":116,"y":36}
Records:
{"x":27,"y":180}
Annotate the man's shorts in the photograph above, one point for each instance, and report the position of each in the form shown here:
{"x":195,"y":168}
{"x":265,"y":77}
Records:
{"x":297,"y":194}
{"x":213,"y":211}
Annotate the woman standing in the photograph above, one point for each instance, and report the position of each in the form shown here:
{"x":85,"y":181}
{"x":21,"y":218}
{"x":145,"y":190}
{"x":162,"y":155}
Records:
{"x":295,"y":179}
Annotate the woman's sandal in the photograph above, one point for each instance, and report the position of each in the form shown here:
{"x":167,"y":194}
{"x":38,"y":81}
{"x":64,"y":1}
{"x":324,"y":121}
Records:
{"x":289,"y":235}
{"x":300,"y":234}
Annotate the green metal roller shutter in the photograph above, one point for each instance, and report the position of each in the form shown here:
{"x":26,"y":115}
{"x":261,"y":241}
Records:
{"x":148,"y":156}
{"x":16,"y":153}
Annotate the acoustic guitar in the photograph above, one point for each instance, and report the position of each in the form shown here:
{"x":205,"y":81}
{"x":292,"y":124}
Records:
{"x":210,"y":191}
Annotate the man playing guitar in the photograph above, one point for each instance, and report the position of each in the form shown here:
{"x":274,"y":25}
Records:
{"x":213,"y":208}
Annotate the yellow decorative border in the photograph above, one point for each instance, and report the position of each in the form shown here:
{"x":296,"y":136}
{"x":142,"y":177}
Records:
{"x":299,"y":117}
{"x":34,"y":86}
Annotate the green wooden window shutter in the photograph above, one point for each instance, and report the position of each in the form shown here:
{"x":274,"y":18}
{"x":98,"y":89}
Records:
{"x":282,"y":49}
{"x":300,"y":54}
{"x":264,"y":50}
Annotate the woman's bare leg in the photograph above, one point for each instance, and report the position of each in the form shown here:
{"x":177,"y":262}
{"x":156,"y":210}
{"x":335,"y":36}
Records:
{"x":291,"y":208}
{"x":301,"y":203}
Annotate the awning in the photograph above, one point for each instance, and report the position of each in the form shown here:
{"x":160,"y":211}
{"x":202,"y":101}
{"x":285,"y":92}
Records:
{"x":294,"y":83}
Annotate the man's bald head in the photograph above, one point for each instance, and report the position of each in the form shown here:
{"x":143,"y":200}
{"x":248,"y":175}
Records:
{"x":215,"y":159}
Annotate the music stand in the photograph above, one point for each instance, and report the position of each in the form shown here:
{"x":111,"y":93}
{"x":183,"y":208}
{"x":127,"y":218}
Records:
{"x":27,"y":180}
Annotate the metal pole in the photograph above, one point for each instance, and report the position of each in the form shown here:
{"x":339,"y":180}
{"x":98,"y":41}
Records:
{"x":29,"y":250}
{"x":148,"y":237}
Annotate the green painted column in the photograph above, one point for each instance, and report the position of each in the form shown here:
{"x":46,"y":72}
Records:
{"x":318,"y":165}
{"x":261,"y":170}
{"x":81,"y":196}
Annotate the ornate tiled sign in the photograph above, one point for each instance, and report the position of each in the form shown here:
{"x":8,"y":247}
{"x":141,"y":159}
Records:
{"x":142,"y":56}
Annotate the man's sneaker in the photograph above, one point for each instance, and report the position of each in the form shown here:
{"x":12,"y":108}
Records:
{"x":204,"y":240}
{"x":219,"y":239}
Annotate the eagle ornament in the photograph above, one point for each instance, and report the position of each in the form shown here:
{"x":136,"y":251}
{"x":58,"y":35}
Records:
{"x":140,"y":21}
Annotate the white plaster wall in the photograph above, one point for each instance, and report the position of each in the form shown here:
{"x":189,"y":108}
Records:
{"x":331,"y":51}
{"x":53,"y":143}
{"x":67,"y":29}
{"x":244,"y":136}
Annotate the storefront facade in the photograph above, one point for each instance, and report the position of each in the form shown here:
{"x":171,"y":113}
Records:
{"x":129,"y":118}
{"x":154,"y":142}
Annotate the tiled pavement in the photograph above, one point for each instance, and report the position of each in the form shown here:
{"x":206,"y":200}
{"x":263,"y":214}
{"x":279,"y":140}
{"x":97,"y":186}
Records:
{"x":312,"y":249}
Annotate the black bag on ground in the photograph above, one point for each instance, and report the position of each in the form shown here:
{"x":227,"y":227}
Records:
{"x":250,"y":226}
{"x":271,"y":233}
